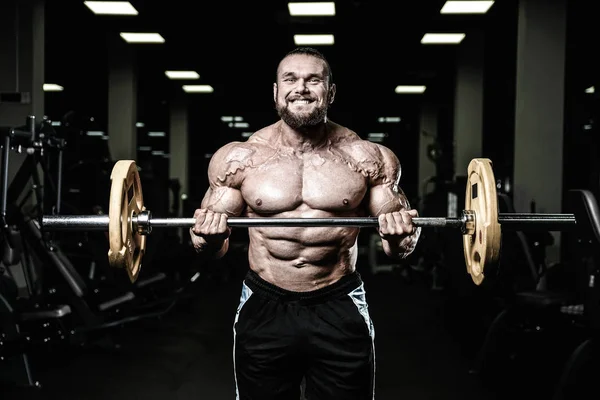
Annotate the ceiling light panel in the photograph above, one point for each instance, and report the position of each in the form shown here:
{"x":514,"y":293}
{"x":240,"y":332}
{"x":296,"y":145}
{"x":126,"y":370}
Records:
{"x":133,"y":37}
{"x":466,"y":7}
{"x":410,"y":89}
{"x":182,"y":74}
{"x":301,"y":40}
{"x":393,"y":119}
{"x":442,"y":38}
{"x":111,"y":7}
{"x":312,"y":9}
{"x":198,"y":88}
{"x":52,"y":87}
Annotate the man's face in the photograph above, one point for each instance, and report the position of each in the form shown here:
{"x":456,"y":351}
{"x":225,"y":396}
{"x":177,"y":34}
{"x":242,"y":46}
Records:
{"x":302,"y":93}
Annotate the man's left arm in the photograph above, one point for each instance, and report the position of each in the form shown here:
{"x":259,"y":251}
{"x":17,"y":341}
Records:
{"x":387,"y":201}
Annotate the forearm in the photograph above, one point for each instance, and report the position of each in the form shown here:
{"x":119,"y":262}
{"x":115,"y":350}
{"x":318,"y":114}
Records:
{"x":401,"y":248}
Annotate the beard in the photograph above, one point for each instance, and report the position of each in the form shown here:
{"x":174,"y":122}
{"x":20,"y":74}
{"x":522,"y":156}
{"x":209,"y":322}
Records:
{"x":302,"y":120}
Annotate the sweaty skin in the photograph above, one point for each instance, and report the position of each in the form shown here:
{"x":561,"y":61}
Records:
{"x":304,"y":166}
{"x":343,"y":177}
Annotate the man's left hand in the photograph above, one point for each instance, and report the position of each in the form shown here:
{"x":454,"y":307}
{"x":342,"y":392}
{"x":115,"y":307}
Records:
{"x":397,"y":225}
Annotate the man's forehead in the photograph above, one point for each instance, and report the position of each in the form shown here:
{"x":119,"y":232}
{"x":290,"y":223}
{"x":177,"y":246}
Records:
{"x":298,"y":62}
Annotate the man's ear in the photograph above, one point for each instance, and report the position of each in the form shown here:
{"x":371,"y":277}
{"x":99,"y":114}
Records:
{"x":332,"y":90}
{"x":275,"y":92}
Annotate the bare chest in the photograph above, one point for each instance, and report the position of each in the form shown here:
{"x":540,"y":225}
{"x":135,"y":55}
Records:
{"x":319,"y":182}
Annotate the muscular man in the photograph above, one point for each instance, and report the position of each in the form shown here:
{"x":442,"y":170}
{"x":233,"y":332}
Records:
{"x":303,"y":314}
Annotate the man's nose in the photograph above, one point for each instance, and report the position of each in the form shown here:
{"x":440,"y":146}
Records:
{"x":301,"y":86}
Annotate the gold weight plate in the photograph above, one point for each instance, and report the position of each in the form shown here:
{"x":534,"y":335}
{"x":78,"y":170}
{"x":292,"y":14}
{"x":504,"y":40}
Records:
{"x":482,"y":248}
{"x":127,"y":246}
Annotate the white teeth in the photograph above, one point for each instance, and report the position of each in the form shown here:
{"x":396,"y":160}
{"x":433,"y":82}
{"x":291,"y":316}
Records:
{"x":301,"y":101}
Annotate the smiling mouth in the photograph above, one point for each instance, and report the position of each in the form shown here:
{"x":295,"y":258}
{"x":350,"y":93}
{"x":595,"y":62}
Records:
{"x":301,"y":101}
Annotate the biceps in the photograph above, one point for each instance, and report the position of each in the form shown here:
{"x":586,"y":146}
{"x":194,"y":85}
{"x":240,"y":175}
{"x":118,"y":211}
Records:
{"x":225,"y":200}
{"x":382,"y":199}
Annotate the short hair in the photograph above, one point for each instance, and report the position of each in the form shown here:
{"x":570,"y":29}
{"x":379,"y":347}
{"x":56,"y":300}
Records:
{"x":310,"y":51}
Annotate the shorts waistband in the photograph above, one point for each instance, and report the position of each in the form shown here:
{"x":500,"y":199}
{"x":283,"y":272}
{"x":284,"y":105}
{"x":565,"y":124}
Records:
{"x":266,"y":289}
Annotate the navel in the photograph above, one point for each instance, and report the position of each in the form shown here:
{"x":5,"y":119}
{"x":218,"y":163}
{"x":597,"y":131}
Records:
{"x":258,"y":202}
{"x":346,"y":202}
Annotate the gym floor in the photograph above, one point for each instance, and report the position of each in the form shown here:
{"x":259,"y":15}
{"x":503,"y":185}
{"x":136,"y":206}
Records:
{"x":187,"y":354}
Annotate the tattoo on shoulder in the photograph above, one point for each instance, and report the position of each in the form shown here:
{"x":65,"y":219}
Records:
{"x":367,"y":159}
{"x":237,"y":159}
{"x":390,"y":168}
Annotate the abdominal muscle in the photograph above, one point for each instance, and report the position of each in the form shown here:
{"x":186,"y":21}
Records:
{"x":302,"y":259}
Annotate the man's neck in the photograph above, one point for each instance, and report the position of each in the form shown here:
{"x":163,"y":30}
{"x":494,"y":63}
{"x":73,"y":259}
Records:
{"x":303,"y":139}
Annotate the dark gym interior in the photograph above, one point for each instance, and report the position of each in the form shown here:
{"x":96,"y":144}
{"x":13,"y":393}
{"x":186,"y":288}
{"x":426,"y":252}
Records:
{"x":518,"y":88}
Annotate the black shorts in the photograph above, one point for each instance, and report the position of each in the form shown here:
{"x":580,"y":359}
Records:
{"x":322,"y":341}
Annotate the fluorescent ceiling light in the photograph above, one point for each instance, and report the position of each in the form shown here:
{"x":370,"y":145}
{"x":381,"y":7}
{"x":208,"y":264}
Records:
{"x":52,"y":87}
{"x":182,"y":74}
{"x":466,"y":7}
{"x":389,"y":119}
{"x":157,"y":134}
{"x":198,"y":88}
{"x":591,"y":89}
{"x":377,"y":137}
{"x":229,"y":118}
{"x":313,"y":39}
{"x":94,"y":133}
{"x":312,"y":9}
{"x":442,"y":38}
{"x":238,"y":125}
{"x":246,"y":134}
{"x":131,"y":37}
{"x":111,"y":7}
{"x":410,"y":89}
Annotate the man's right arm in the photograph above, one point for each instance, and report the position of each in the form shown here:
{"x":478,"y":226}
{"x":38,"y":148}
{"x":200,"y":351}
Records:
{"x":210,"y":233}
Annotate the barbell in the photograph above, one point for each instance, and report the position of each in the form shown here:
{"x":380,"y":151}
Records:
{"x":129,"y":222}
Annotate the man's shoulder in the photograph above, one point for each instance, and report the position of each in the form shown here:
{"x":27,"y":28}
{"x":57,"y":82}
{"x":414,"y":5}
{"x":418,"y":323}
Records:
{"x":374,"y":159}
{"x":357,"y":147}
{"x":234,"y":151}
{"x":240,"y":151}
{"x":257,"y":143}
{"x":228,"y":163}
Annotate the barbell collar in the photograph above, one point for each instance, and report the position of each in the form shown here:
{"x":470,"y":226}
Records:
{"x":468,"y":226}
{"x":142,"y":222}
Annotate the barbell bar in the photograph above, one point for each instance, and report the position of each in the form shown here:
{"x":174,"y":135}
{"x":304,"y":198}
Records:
{"x":144,"y":222}
{"x":129,"y":222}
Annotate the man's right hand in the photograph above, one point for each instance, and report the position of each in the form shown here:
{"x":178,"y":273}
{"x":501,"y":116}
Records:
{"x":210,"y":229}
